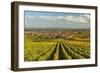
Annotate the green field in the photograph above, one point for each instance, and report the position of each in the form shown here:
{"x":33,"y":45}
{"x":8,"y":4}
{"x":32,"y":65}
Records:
{"x":54,"y":45}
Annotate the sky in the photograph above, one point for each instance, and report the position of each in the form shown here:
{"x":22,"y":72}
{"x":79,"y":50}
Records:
{"x":40,"y":19}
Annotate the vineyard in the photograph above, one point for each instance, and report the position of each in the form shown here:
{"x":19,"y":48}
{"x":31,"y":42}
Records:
{"x":60,"y":50}
{"x":56,"y":45}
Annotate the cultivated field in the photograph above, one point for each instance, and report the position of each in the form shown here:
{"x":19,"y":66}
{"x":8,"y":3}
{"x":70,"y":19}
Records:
{"x":56,"y":45}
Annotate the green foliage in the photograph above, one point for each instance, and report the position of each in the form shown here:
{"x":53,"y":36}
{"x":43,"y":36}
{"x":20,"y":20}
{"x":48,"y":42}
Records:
{"x":73,"y":54}
{"x":56,"y":55}
{"x":55,"y":50}
{"x":65,"y":54}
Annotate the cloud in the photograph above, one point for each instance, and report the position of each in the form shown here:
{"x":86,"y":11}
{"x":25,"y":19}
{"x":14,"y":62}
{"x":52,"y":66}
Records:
{"x":86,"y":15}
{"x":30,"y":17}
{"x":78,"y":21}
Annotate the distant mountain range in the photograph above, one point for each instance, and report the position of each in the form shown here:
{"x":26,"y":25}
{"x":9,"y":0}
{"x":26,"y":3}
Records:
{"x":54,"y":29}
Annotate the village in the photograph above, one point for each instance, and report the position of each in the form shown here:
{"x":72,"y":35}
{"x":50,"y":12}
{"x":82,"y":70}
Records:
{"x":70,"y":35}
